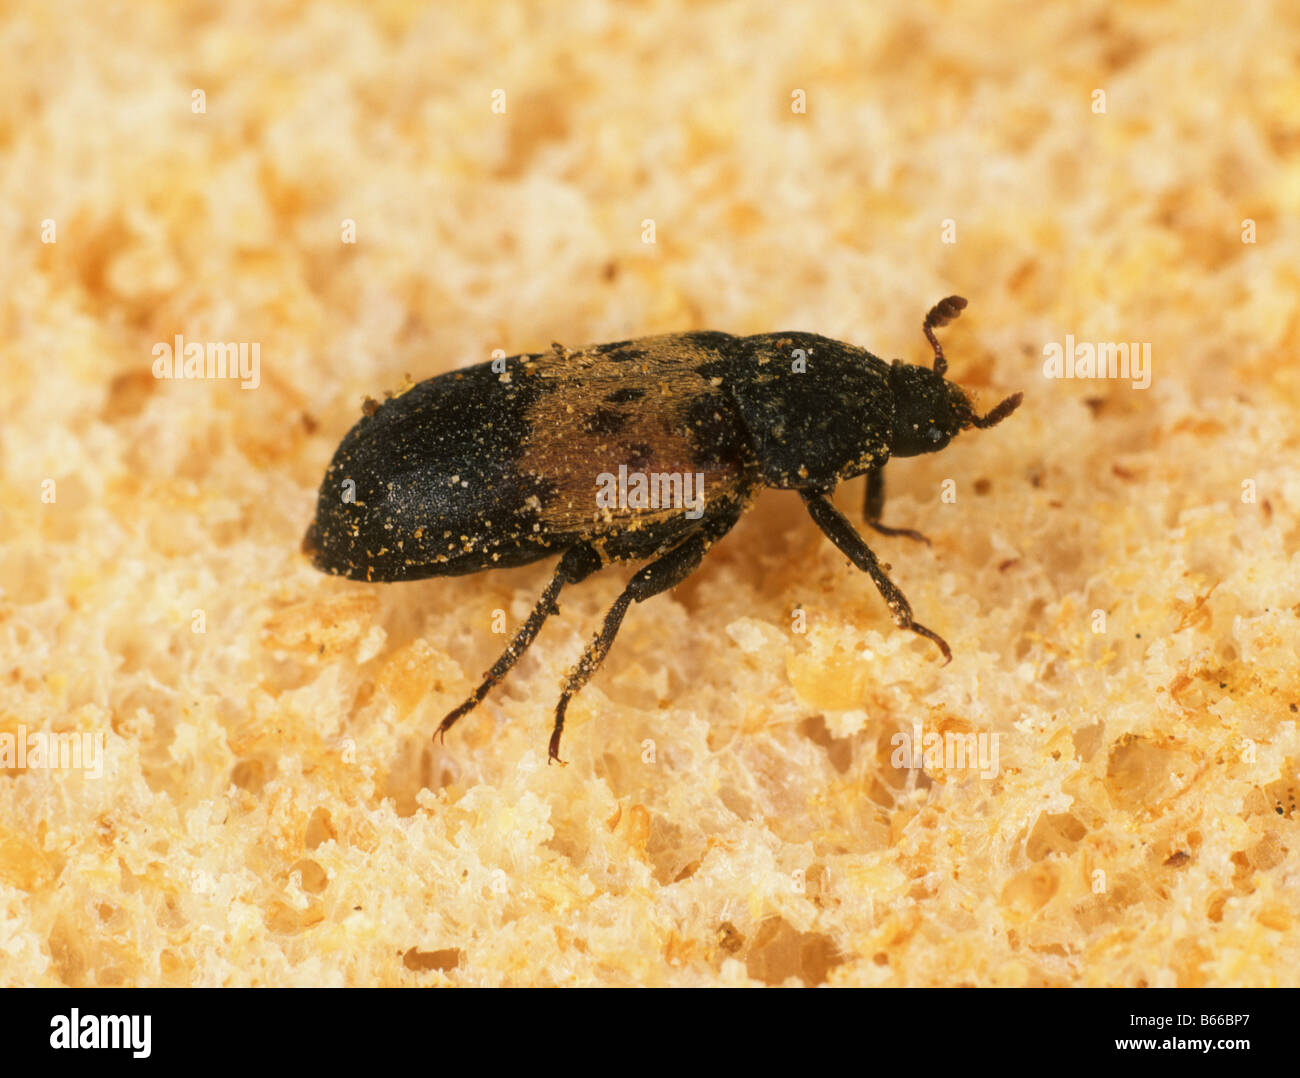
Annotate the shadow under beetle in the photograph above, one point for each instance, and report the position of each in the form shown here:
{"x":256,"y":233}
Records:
{"x":500,"y":464}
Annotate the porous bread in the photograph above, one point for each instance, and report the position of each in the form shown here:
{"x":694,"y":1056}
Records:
{"x":272,"y":810}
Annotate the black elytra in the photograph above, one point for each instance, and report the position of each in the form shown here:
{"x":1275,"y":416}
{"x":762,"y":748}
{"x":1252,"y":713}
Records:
{"x":640,"y":450}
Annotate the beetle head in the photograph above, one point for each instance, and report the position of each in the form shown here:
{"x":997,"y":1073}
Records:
{"x":929,"y":410}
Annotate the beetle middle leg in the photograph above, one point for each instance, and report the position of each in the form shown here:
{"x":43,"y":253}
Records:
{"x":578,"y":563}
{"x":665,"y":572}
{"x":874,"y":504}
{"x":840,"y":532}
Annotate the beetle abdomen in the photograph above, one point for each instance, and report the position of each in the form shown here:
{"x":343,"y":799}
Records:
{"x":426,"y":485}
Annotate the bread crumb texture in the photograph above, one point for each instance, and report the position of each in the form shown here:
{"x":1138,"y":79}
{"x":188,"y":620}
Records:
{"x":763,"y":783}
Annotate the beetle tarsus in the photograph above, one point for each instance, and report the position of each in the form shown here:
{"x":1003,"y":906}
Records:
{"x":464,"y":709}
{"x":938,"y":640}
{"x":874,"y":504}
{"x":553,"y":750}
{"x":909,"y":533}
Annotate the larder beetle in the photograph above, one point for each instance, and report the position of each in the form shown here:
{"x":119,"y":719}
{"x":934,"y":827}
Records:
{"x":509,"y":461}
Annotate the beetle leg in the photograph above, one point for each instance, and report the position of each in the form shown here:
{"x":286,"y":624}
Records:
{"x":666,"y":571}
{"x":578,"y":563}
{"x":874,"y":505}
{"x":840,"y":532}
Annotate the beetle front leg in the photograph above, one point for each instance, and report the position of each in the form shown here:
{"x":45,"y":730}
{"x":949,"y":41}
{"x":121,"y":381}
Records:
{"x":874,"y":504}
{"x":840,"y":532}
{"x":578,"y":563}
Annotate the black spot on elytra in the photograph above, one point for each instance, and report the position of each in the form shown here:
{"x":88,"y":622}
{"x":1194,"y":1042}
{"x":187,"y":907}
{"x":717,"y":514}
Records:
{"x":604,"y":421}
{"x":639,"y":457}
{"x":716,"y":431}
{"x":624,"y":396}
{"x":618,"y":353}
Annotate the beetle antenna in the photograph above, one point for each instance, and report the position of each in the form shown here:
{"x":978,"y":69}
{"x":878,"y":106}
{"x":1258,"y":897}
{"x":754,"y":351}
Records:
{"x":999,"y":413}
{"x":941,"y":314}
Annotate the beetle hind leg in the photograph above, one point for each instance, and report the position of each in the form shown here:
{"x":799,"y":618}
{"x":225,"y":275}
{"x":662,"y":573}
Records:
{"x":578,"y":562}
{"x":665,"y":572}
{"x":874,"y":504}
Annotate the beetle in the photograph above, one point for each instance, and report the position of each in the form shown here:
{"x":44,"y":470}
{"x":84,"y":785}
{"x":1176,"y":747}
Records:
{"x":509,"y":461}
